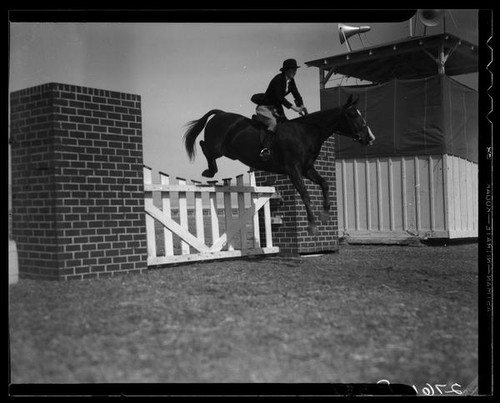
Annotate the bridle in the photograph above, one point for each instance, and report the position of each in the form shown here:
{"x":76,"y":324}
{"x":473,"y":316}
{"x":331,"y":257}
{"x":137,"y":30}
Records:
{"x":355,"y":126}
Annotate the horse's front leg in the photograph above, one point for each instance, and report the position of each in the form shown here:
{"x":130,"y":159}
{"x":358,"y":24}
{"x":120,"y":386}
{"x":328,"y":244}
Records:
{"x":314,"y":176}
{"x":298,"y":183}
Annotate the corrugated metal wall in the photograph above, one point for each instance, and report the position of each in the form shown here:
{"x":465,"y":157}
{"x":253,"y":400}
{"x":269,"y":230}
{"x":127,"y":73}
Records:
{"x":424,"y":196}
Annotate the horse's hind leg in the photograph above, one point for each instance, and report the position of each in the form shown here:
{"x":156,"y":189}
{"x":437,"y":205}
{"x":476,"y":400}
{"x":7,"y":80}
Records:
{"x":313,"y":175}
{"x":211,"y":156}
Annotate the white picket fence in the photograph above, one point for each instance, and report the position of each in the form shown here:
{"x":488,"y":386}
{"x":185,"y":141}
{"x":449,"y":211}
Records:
{"x":192,"y":222}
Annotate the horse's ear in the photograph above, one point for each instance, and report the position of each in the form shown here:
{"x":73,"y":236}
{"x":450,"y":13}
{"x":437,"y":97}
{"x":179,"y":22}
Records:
{"x":349,"y":102}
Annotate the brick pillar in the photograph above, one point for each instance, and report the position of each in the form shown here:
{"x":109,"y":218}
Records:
{"x":291,"y":235}
{"x":77,"y":186}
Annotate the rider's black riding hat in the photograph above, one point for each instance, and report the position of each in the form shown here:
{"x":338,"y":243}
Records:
{"x":289,"y":64}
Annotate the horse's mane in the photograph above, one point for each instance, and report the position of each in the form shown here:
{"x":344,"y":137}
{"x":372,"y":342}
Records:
{"x":319,"y":118}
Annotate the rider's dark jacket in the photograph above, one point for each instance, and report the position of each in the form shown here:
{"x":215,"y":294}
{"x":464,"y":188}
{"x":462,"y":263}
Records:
{"x":276,"y":92}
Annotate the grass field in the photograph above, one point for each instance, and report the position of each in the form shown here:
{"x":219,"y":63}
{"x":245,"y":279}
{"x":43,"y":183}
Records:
{"x":405,"y":314}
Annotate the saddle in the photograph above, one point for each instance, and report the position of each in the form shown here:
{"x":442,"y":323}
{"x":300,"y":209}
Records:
{"x":265,"y":136}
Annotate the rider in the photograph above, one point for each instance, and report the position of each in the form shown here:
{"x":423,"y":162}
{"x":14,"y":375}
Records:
{"x":270,"y":106}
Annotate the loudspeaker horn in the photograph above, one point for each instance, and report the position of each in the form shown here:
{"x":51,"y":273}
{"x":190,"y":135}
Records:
{"x":346,"y":31}
{"x":430,"y":18}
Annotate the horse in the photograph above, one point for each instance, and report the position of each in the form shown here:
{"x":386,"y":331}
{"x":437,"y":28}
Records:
{"x":296,"y":145}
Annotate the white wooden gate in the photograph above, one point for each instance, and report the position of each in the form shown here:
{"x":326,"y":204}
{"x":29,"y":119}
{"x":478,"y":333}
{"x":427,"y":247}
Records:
{"x":191,"y":222}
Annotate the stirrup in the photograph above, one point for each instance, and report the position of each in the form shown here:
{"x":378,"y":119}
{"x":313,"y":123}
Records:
{"x":265,"y":154}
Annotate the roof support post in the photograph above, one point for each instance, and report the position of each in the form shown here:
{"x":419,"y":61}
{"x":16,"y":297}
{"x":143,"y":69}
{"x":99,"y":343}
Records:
{"x":328,"y":75}
{"x":441,"y":59}
{"x":321,"y":78}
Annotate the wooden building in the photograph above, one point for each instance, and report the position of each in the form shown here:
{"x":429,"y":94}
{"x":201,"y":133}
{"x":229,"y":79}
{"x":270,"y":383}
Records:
{"x":420,"y":177}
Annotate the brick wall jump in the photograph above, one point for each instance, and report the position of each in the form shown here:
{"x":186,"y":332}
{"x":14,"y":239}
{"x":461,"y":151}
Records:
{"x":77,"y":186}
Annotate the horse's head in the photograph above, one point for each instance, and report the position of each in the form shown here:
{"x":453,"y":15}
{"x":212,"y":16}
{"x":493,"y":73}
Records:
{"x":354,"y":124}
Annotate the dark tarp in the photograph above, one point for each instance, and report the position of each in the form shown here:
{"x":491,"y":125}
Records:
{"x":431,"y":116}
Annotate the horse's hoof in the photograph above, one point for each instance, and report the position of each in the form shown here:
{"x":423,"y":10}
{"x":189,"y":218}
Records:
{"x":207,"y":173}
{"x":312,"y":229}
{"x":324,"y":216}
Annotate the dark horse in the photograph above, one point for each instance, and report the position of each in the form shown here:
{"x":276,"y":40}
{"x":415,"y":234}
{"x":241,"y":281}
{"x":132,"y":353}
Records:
{"x":296,"y":145}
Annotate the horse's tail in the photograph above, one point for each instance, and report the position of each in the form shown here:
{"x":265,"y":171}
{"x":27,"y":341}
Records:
{"x":194,"y":129}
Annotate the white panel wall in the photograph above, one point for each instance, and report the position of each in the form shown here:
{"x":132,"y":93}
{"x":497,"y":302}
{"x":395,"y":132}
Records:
{"x":424,"y":196}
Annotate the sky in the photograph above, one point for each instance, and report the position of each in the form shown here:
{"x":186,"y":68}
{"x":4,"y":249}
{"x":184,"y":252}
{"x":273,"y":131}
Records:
{"x":182,"y":70}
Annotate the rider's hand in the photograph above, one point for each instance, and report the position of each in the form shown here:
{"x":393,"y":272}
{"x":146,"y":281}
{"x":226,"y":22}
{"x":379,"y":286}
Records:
{"x":297,"y":109}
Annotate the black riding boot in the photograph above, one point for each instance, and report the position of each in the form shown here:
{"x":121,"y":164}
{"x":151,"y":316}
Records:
{"x":265,"y":153}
